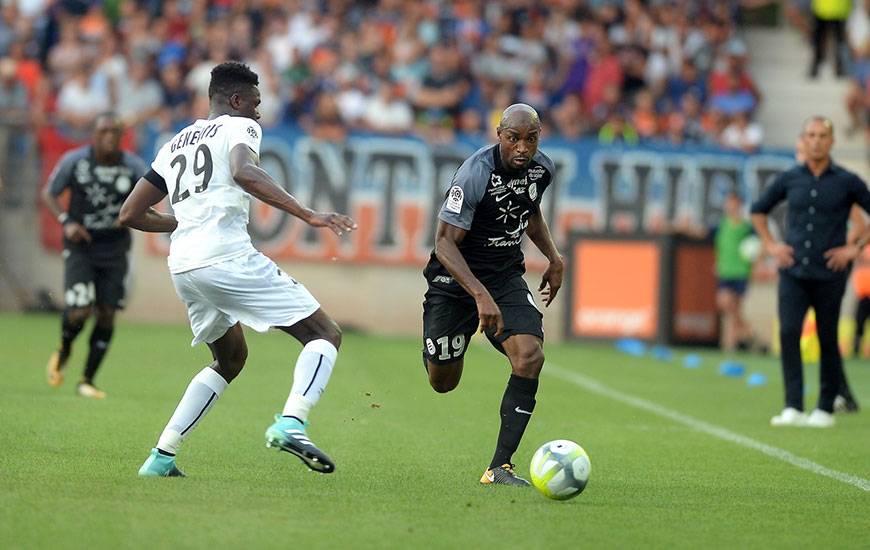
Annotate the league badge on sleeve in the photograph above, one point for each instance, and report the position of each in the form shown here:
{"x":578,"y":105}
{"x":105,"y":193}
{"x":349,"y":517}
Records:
{"x":454,"y":199}
{"x":533,"y":191}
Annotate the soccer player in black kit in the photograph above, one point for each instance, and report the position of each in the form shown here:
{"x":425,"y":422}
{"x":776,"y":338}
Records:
{"x":475,"y":274}
{"x":99,"y":177}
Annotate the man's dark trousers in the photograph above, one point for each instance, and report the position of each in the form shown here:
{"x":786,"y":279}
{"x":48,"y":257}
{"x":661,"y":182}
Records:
{"x":796,"y":296}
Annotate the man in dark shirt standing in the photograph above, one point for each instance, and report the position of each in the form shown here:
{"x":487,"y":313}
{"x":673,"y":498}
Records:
{"x":99,"y":177}
{"x":475,"y":273}
{"x":814,"y":264}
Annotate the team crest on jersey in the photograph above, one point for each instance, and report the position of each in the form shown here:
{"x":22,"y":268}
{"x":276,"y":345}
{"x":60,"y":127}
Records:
{"x":495,"y":179}
{"x":123,"y":184}
{"x":454,"y":199}
{"x":252,"y":132}
{"x":533,"y":191}
{"x":536,"y":173}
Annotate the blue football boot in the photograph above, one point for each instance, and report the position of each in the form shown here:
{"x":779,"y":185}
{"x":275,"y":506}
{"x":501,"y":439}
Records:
{"x":160,"y":465}
{"x":288,"y":434}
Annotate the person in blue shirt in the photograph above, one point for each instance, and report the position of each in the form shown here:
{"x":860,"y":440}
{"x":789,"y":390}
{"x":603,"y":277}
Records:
{"x":814,"y":261}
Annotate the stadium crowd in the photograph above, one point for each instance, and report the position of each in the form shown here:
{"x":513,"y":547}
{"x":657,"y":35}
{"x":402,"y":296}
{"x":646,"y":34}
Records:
{"x":621,"y":70}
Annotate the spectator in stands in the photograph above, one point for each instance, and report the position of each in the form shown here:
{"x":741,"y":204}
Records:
{"x":742,"y":134}
{"x":683,"y":125}
{"x":139,"y":95}
{"x":448,"y":57}
{"x":30,"y":74}
{"x":858,"y":95}
{"x":81,"y":98}
{"x":66,"y":57}
{"x":388,"y":111}
{"x":443,"y":88}
{"x":325,"y":122}
{"x":14,"y":118}
{"x":687,"y":80}
{"x":644,"y":117}
{"x":829,"y":16}
{"x":618,"y":129}
{"x":568,"y":118}
{"x":735,"y":98}
{"x":176,"y":97}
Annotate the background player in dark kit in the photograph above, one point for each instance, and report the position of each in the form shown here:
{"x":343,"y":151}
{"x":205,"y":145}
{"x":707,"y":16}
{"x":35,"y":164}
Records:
{"x":475,"y":273}
{"x":99,"y":177}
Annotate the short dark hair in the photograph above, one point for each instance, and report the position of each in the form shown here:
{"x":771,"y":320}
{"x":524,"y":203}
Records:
{"x":231,"y":77}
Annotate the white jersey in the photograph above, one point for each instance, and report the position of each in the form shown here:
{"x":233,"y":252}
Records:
{"x":211,"y":208}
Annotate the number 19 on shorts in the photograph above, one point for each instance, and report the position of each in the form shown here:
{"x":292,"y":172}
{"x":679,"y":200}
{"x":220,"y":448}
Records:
{"x":448,"y":348}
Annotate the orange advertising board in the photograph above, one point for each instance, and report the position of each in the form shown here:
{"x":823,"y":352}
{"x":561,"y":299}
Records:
{"x":616,"y":288}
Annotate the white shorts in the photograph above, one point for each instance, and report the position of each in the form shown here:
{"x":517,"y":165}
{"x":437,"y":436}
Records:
{"x":250,"y":289}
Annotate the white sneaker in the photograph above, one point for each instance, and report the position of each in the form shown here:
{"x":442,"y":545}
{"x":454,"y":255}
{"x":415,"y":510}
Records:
{"x":789,"y":417}
{"x":88,"y":390}
{"x":820,"y":419}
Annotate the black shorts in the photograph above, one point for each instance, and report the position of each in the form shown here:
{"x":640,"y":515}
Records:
{"x":95,"y":275}
{"x":449,"y":322}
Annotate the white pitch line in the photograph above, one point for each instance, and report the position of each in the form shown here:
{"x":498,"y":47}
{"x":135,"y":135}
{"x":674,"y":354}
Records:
{"x":596,"y":387}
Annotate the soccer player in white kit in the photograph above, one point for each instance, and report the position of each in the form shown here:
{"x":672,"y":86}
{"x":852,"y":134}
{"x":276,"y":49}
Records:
{"x":210,"y":170}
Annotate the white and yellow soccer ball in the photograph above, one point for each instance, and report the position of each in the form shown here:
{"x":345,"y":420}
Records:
{"x":560,"y":469}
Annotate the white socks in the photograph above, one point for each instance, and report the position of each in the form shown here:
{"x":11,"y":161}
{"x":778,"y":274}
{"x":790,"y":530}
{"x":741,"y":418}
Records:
{"x":310,"y":377}
{"x":313,"y":368}
{"x":201,"y":394}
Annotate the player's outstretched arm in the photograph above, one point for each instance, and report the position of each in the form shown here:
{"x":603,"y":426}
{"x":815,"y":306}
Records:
{"x":551,"y":282}
{"x":256,"y":181}
{"x":447,"y":239}
{"x":136,"y":212}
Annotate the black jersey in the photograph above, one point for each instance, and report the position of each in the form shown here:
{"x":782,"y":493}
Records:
{"x":493,"y":204}
{"x":97,"y":191}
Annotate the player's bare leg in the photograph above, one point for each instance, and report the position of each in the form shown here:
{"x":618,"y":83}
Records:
{"x":444,"y":378}
{"x":321,"y":338}
{"x":726,"y":302}
{"x":230,"y":352}
{"x":101,"y":336}
{"x":526,"y":354}
{"x":72,"y":322}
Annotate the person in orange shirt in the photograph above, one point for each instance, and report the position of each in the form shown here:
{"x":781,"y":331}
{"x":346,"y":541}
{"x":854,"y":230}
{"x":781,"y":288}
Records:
{"x":861,"y":282}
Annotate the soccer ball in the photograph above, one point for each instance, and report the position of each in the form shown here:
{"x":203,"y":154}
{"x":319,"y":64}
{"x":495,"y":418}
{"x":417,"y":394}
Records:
{"x":560,"y":469}
{"x":750,"y":248}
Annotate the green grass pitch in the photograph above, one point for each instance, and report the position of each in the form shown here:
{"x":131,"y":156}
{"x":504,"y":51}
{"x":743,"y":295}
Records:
{"x":408,"y":459}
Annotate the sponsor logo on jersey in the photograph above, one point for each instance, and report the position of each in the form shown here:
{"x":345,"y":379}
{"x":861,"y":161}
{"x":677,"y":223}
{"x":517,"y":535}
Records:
{"x":510,"y":238}
{"x":253,"y":132}
{"x":454,"y":199}
{"x":536,"y":173}
{"x":442,"y":279}
{"x":517,"y":185}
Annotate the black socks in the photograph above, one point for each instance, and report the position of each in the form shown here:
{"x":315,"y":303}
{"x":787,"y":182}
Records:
{"x":100,"y":338}
{"x":68,"y":333}
{"x":517,"y":406}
